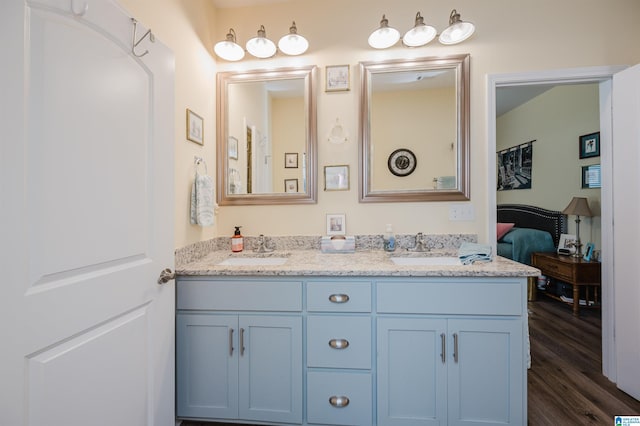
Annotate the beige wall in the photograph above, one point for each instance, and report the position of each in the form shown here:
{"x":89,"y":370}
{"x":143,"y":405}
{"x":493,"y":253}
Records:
{"x":511,"y":36}
{"x":287,"y":136}
{"x":555,"y":120}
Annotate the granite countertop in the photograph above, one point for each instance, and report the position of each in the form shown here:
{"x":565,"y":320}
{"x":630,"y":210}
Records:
{"x":359,"y":263}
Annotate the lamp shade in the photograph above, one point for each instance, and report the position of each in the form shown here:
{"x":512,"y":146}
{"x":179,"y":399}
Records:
{"x":293,"y":43}
{"x":457,"y":31}
{"x":228,"y":49}
{"x":261,"y":46}
{"x":420,"y":34}
{"x":578,"y":207}
{"x":385,"y":36}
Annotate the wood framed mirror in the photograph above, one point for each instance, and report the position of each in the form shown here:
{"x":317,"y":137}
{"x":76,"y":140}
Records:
{"x":266,"y":118}
{"x":414,"y":130}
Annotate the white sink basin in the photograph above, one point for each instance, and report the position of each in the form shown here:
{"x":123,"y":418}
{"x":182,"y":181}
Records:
{"x":426,"y":261}
{"x":254,"y":261}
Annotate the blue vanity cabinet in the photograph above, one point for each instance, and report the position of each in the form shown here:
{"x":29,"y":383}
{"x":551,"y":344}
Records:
{"x":451,"y":352}
{"x":339,"y":352}
{"x":239,"y":350}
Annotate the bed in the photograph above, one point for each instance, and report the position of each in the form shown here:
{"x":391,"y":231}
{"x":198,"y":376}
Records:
{"x":534,"y":230}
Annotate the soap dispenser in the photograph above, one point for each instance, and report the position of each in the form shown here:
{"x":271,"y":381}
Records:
{"x":389,"y":240}
{"x":237,"y":242}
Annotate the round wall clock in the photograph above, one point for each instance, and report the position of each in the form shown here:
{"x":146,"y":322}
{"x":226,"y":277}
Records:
{"x":402,"y":162}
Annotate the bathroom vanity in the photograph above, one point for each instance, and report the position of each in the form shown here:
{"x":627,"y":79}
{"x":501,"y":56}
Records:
{"x":352,"y":339}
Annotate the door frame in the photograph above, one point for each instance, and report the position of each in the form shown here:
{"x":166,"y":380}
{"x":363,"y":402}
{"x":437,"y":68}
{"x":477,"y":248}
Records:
{"x":603,"y":76}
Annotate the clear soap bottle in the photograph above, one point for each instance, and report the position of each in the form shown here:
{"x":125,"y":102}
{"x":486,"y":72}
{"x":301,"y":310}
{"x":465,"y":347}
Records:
{"x":389,"y":239}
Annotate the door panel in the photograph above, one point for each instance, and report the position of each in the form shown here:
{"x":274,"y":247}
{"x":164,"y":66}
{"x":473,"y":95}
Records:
{"x":89,"y":219}
{"x":626,"y":210}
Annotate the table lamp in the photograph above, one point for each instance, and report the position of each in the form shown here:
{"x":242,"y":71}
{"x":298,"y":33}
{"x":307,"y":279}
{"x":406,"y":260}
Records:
{"x":578,"y":207}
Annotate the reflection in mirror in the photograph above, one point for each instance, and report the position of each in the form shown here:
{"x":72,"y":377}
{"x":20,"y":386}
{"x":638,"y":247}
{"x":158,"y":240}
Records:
{"x":414,"y":124}
{"x":266,"y":124}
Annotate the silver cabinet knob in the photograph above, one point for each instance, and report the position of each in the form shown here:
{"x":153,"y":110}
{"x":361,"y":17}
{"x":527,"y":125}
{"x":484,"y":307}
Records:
{"x":339,"y":401}
{"x":339,"y":298}
{"x":166,"y":275}
{"x":339,"y":343}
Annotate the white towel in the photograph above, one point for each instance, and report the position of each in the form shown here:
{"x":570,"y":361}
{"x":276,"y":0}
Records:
{"x":202,"y":204}
{"x":472,"y":252}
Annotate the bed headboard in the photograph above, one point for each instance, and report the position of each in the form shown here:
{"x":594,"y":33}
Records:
{"x":554,"y":222}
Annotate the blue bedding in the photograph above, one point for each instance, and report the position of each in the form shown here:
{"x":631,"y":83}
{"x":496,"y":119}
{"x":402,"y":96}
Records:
{"x":519,"y":243}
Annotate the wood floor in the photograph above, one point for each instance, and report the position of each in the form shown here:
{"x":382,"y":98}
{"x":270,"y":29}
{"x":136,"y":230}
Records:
{"x":566,"y":386}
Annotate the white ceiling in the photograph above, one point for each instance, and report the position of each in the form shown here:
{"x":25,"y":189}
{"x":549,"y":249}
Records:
{"x":508,"y":98}
{"x":221,"y":4}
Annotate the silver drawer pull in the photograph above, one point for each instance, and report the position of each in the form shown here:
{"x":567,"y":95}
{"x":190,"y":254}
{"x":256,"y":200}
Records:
{"x":339,"y":343}
{"x":339,"y":298}
{"x":339,"y":401}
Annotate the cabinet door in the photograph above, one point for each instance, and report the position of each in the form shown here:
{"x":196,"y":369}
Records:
{"x":411,"y":372}
{"x":270,"y":353}
{"x":207,"y":366}
{"x":486,"y":380}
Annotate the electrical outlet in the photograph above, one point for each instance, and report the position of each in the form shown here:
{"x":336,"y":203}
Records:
{"x":461,"y":212}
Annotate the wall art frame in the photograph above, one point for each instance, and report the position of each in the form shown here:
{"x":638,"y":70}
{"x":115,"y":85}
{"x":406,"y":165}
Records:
{"x":336,"y":178}
{"x":337,"y":78}
{"x":195,"y":127}
{"x":290,"y":186}
{"x":590,"y":145}
{"x":336,"y":224}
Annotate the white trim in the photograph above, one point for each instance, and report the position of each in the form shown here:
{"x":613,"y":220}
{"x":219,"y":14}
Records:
{"x":602,"y":75}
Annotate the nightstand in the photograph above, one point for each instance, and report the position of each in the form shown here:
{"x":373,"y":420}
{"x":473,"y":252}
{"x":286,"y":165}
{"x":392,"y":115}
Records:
{"x":573,"y":270}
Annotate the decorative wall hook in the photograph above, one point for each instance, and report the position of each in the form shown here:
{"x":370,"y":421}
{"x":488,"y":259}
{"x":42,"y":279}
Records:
{"x":338,"y":134}
{"x":83,"y":10}
{"x":135,"y":43}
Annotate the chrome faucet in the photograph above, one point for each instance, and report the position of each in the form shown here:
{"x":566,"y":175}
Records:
{"x":261,"y":246}
{"x":421,"y":244}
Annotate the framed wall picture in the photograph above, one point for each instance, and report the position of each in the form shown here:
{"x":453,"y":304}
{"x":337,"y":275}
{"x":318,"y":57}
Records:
{"x":336,"y":178}
{"x":591,"y":176}
{"x":291,"y":160}
{"x":590,"y":145}
{"x":195,"y":127}
{"x":336,"y":224}
{"x":290,"y":185}
{"x":337,"y":78}
{"x":233,"y":148}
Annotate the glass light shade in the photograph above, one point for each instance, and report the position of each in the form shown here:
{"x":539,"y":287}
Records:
{"x":385,"y":36}
{"x":293,"y":43}
{"x":457,"y":31}
{"x":228,"y":49}
{"x":261,"y":46}
{"x":420,"y":34}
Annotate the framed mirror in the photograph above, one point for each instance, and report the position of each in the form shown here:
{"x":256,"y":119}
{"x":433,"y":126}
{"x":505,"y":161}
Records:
{"x":414,"y":130}
{"x":267,"y":136}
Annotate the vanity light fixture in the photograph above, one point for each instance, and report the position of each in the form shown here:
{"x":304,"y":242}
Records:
{"x":457,"y":31}
{"x":421,"y":34}
{"x":260,"y":46}
{"x":228,"y":49}
{"x":293,"y":43}
{"x":385,"y":36}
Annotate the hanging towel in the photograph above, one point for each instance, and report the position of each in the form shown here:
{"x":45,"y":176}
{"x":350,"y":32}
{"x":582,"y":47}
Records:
{"x":471,"y":252}
{"x":202,"y":204}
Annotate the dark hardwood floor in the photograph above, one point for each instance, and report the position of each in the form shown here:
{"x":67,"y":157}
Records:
{"x":566,"y":386}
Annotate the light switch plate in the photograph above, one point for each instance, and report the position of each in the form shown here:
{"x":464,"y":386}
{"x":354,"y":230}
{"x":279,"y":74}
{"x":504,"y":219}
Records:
{"x":461,"y":212}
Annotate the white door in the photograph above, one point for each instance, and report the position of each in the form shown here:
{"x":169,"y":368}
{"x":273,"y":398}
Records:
{"x":626,"y":230}
{"x":86,"y":179}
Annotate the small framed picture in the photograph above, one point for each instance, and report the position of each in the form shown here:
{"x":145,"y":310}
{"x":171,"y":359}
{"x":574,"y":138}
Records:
{"x":195,"y":127}
{"x":336,"y":178}
{"x":336,"y":224}
{"x":567,"y":244}
{"x":233,"y":148}
{"x":591,"y":176}
{"x":337,"y":78}
{"x":588,"y":252}
{"x":290,"y":185}
{"x":590,"y":145}
{"x":290,"y":160}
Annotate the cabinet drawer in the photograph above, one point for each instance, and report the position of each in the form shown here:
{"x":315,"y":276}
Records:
{"x":323,"y":386}
{"x":456,"y":296}
{"x":240,"y":295}
{"x":328,"y":296}
{"x":558,"y":270}
{"x":339,"y":341}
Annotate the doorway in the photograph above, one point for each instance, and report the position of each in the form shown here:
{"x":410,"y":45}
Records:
{"x":602,"y":76}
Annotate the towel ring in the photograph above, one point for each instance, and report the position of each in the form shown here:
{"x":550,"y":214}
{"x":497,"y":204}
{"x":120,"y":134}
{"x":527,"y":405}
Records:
{"x":197,"y":161}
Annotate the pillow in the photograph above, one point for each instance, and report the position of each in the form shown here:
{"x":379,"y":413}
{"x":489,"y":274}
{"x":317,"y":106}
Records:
{"x":503,"y":228}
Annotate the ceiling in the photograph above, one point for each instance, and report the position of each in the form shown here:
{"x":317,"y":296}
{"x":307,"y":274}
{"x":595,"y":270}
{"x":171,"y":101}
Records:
{"x":222,"y":4}
{"x":508,"y":98}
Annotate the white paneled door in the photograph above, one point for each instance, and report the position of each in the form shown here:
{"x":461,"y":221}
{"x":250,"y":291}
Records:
{"x":86,"y":179}
{"x":626,"y":231}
